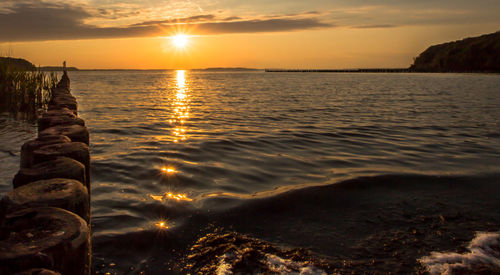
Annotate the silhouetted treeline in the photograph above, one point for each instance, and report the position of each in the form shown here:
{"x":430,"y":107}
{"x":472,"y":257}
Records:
{"x":477,"y":54}
{"x":17,"y":64}
{"x":24,"y":90}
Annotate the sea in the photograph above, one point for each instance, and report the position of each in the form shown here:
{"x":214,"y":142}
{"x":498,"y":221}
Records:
{"x":251,"y":172}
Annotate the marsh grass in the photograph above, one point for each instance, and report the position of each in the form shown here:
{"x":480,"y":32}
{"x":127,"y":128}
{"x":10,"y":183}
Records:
{"x":25,"y":93}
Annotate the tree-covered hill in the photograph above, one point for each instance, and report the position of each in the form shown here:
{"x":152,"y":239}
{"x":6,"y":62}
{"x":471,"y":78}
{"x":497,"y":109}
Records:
{"x":17,"y":63}
{"x":477,"y":54}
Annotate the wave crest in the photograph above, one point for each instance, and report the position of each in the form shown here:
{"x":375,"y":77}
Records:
{"x":483,"y":256}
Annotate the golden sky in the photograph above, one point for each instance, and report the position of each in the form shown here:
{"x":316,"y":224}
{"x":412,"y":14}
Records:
{"x":228,"y":33}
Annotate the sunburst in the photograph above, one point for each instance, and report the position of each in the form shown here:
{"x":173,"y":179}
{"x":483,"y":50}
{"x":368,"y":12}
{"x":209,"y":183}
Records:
{"x":180,"y":41}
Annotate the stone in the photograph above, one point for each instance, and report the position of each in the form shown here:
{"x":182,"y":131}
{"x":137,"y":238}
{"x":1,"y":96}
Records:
{"x":67,"y":194}
{"x":75,"y":150}
{"x":61,"y":167}
{"x":59,"y":112}
{"x":64,"y":102}
{"x":30,"y":146}
{"x":50,"y":121}
{"x":76,"y":133}
{"x":61,"y":90}
{"x":45,"y":237}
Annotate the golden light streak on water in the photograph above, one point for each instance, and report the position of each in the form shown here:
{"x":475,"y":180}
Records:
{"x":168,"y":170}
{"x":177,"y":197}
{"x":156,"y":198}
{"x":180,"y":107}
{"x":161,"y":225}
{"x":171,"y":196}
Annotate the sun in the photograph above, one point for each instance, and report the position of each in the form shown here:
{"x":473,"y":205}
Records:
{"x":180,"y":41}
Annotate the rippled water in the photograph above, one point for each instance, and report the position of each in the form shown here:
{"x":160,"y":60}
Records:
{"x":13,"y":133}
{"x":179,"y":154}
{"x":242,"y":133}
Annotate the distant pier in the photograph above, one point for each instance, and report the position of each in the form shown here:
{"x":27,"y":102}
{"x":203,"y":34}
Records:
{"x":380,"y":70}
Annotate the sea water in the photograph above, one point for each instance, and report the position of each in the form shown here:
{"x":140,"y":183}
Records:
{"x":354,"y":167}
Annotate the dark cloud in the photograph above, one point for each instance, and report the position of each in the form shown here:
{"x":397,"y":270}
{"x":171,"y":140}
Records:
{"x":39,"y":21}
{"x":232,"y":18}
{"x":271,"y":25}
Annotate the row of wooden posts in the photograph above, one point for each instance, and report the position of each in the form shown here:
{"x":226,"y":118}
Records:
{"x":45,"y":219}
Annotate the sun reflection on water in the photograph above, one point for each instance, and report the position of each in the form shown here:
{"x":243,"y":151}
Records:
{"x":179,"y":115}
{"x":161,"y":225}
{"x":171,"y":196}
{"x":180,"y":107}
{"x":168,"y":170}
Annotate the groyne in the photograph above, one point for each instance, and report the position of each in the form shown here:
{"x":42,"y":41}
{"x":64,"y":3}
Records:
{"x":381,"y":70}
{"x":45,"y":219}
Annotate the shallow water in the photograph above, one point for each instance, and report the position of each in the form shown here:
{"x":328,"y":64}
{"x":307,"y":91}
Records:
{"x":13,"y":134}
{"x":179,"y":154}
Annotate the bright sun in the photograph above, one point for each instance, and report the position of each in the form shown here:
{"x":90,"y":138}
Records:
{"x":180,"y":41}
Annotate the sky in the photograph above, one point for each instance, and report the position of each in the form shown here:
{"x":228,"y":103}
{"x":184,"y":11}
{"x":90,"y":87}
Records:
{"x":336,"y":34}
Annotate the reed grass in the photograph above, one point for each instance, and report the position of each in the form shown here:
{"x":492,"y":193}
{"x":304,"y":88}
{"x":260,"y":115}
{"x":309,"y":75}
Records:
{"x":25,"y":93}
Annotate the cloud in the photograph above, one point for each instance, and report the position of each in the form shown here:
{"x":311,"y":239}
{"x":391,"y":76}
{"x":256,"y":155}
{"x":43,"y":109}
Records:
{"x":397,"y":15}
{"x":257,"y":25}
{"x":39,"y":21}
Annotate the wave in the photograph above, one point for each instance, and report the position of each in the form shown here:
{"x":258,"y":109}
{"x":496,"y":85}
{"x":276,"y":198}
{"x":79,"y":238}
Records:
{"x":374,"y":223}
{"x":233,"y":253}
{"x":483,"y":256}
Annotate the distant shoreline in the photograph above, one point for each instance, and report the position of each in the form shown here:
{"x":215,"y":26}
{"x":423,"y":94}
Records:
{"x":372,"y":70}
{"x":205,"y":69}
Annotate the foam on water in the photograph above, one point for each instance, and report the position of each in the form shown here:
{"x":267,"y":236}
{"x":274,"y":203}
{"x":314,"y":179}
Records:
{"x":484,"y":253}
{"x":233,"y":253}
{"x":287,"y":266}
{"x":273,"y":263}
{"x":224,"y":267}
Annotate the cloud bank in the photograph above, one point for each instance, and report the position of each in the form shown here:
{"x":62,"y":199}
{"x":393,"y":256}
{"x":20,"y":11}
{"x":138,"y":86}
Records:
{"x":38,"y":21}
